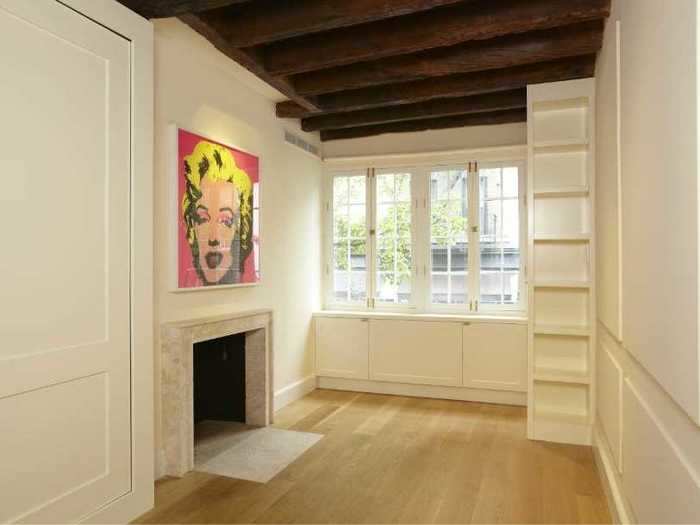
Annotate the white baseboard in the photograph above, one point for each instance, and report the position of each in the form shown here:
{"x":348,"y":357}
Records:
{"x":438,"y":392}
{"x":295,"y":391}
{"x":609,"y":479}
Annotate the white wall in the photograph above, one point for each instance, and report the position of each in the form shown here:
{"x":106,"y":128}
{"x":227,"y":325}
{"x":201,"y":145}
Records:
{"x":647,"y":264}
{"x":432,"y":140}
{"x":201,"y":90}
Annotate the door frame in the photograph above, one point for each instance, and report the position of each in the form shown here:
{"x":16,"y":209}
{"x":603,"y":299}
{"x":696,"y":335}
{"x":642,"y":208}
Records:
{"x":139,"y":32}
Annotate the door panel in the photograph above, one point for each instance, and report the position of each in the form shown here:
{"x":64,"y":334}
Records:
{"x":420,"y":352}
{"x":64,"y":312}
{"x":495,"y":356}
{"x":341,"y":348}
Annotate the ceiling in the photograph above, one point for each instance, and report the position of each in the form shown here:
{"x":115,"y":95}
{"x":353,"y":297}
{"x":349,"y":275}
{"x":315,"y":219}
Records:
{"x":357,"y":68}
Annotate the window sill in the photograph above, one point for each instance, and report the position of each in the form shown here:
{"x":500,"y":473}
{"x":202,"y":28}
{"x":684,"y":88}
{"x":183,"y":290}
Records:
{"x":514,"y":318}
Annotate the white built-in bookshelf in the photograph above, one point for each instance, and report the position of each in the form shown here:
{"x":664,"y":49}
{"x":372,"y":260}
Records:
{"x":561,"y":253}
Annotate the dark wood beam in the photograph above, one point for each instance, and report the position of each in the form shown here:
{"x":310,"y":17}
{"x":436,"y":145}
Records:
{"x":433,"y":108}
{"x":248,"y":60}
{"x":497,"y":53}
{"x":480,"y":20}
{"x":457,"y":121}
{"x":270,"y":20}
{"x":166,"y":8}
{"x":450,"y":86}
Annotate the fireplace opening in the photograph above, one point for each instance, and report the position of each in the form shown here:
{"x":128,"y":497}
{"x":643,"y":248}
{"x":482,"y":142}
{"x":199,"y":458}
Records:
{"x":219,"y":379}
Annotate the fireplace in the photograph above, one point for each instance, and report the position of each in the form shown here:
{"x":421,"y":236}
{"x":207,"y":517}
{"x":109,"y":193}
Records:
{"x":219,"y":379}
{"x":205,"y":364}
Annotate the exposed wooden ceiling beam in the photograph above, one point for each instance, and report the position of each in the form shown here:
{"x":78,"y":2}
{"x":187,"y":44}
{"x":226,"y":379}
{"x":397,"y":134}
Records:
{"x":433,"y":108}
{"x":497,"y":53}
{"x":450,"y":86}
{"x":458,"y":121}
{"x":269,"y":20}
{"x":437,"y":28}
{"x":248,"y":60}
{"x":166,"y":8}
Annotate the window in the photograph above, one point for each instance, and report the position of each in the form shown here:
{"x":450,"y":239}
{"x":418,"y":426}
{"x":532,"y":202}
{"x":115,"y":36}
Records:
{"x":350,"y":238}
{"x":449,"y":243}
{"x":393,"y":233}
{"x":444,"y":239}
{"x":499,"y":242}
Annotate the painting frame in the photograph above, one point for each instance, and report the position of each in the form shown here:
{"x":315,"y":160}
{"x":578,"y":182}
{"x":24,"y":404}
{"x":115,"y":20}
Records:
{"x":175,"y":218}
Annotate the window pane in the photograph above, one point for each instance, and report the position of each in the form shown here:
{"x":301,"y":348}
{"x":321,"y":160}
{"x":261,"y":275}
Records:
{"x":340,"y":256}
{"x":349,"y":238}
{"x":386,"y":251}
{"x":340,"y":190}
{"x":403,"y":187}
{"x":510,"y":182}
{"x":458,"y":288}
{"x":358,"y":286}
{"x":499,"y":236}
{"x":439,"y":288}
{"x":491,"y":287}
{"x":358,"y":193}
{"x":358,"y":255}
{"x":449,"y":241}
{"x":340,"y":286}
{"x":340,"y":222}
{"x":393,"y":238}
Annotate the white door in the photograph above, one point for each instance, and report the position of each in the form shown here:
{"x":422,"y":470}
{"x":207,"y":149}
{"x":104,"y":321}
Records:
{"x":65,"y":259}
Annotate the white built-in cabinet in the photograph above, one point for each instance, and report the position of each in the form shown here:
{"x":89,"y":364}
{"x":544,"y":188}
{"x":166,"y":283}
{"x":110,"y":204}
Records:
{"x":478,"y":355}
{"x":494,"y":356}
{"x":342,"y":348}
{"x":561,"y":254}
{"x":419,"y":352}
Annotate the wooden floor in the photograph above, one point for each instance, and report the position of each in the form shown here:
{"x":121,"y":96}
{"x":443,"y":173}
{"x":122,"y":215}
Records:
{"x":387,"y":459}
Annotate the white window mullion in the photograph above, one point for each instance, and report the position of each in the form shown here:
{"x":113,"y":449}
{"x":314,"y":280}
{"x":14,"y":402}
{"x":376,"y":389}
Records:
{"x":371,"y":238}
{"x":474,"y":236}
{"x":500,"y":238}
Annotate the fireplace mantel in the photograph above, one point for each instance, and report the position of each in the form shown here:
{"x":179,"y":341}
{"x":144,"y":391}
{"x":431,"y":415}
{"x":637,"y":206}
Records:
{"x":177,"y":399}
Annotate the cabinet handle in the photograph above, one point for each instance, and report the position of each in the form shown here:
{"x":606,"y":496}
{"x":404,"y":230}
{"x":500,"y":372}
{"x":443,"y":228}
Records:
{"x":364,"y":320}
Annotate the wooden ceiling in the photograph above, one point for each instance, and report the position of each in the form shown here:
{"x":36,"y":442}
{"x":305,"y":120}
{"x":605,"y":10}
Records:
{"x":356,"y":68}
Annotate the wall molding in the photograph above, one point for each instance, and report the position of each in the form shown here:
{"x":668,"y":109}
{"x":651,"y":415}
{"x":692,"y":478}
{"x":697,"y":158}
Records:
{"x":294,"y":391}
{"x":609,"y":478}
{"x":427,"y":391}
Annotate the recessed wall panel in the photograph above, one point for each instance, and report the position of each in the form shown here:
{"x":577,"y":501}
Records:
{"x":55,"y":446}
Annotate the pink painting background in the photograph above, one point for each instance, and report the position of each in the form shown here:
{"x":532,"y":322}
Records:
{"x":187,"y":275}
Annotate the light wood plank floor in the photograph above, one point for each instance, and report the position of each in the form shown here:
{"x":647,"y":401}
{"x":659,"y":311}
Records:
{"x":387,"y":459}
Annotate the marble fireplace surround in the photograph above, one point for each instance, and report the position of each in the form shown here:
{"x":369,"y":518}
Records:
{"x":177,"y":399}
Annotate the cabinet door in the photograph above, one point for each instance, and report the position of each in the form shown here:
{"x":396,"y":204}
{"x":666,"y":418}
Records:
{"x":341,"y":348}
{"x":495,"y":356}
{"x":427,"y":353}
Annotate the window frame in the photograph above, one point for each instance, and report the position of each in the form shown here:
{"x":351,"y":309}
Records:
{"x":421,"y":292}
{"x":329,"y":229}
{"x":521,"y":305}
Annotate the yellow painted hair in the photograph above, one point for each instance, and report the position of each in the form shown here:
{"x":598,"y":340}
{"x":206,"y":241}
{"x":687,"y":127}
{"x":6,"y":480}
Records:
{"x":216,"y":163}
